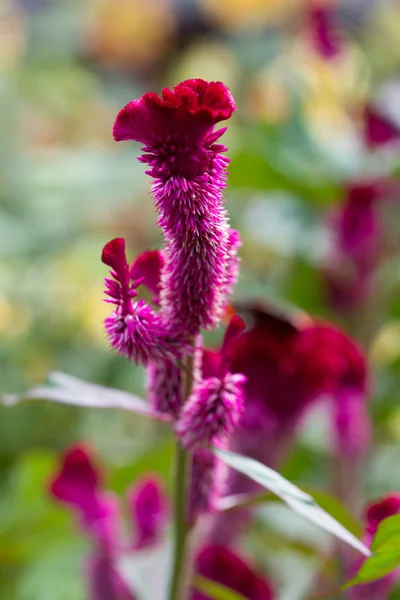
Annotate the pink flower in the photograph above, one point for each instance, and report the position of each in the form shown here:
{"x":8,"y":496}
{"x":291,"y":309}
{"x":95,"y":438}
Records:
{"x":289,"y":362}
{"x":78,"y":485}
{"x":378,"y":129}
{"x":148,"y":508}
{"x":213,"y":410}
{"x":357,"y":229}
{"x":189,"y":172}
{"x":223,"y":566}
{"x":324,"y":31}
{"x":133,"y":329}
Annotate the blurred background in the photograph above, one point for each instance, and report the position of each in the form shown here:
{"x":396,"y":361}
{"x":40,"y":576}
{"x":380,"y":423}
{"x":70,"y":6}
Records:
{"x":318,"y":94}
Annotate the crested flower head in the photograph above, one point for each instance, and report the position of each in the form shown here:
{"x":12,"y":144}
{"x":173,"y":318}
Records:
{"x":189,"y":173}
{"x":147,"y":268}
{"x":148,"y":507}
{"x":213,"y":410}
{"x":223,"y":566}
{"x":133,"y":329}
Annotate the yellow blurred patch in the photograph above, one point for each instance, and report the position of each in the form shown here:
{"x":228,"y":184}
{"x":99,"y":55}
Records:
{"x":15,"y":321}
{"x":235,"y":14}
{"x":385,"y":348}
{"x":132,"y":33}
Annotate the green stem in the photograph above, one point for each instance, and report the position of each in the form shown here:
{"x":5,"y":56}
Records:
{"x":179,"y":577}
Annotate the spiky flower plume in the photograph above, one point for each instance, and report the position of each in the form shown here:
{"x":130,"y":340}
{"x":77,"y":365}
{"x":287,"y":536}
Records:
{"x":189,"y":174}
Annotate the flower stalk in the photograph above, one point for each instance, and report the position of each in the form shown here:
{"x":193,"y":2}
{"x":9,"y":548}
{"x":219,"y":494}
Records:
{"x":180,"y":566}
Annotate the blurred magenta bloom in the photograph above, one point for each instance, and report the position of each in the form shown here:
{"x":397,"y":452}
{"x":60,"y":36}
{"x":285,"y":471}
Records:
{"x":324,"y":31}
{"x":149,"y":510}
{"x":223,"y":566}
{"x":357,"y":230}
{"x":375,"y":513}
{"x":214,"y":408}
{"x":207,"y":483}
{"x":189,"y":173}
{"x":78,"y":484}
{"x":289,"y":364}
{"x":379,"y":130}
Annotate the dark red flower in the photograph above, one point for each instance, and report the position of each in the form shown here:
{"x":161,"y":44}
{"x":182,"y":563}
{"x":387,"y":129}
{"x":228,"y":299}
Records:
{"x":221,"y":565}
{"x":378,"y":129}
{"x":193,"y":106}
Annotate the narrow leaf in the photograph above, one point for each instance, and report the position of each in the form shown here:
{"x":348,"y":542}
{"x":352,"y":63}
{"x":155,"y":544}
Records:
{"x":375,"y":567}
{"x":67,"y":389}
{"x":386,"y":553}
{"x":214,"y":590}
{"x":299,"y":501}
{"x":327,"y":502}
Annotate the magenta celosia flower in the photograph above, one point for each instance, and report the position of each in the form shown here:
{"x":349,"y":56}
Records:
{"x":357,"y":243}
{"x":133,"y":329}
{"x":379,"y":130}
{"x":375,"y":513}
{"x":289,"y":363}
{"x":223,"y":566}
{"x":78,"y":484}
{"x":214,"y":408}
{"x":148,"y":508}
{"x":324,"y":31}
{"x":189,"y":172}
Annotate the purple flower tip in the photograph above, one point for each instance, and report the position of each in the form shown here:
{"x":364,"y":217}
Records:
{"x":192,"y":105}
{"x":223,"y":566}
{"x":105,"y":583}
{"x":379,"y":130}
{"x":133,"y":329}
{"x":213,"y":411}
{"x":149,"y":509}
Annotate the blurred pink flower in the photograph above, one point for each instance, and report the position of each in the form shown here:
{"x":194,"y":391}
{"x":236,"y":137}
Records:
{"x":289,"y":364}
{"x":149,"y":511}
{"x":358,"y":241}
{"x":78,"y":484}
{"x":324,"y":32}
{"x":378,"y":129}
{"x":223,"y":566}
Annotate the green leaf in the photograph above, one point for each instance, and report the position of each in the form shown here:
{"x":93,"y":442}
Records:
{"x":214,"y":590}
{"x":299,"y":501}
{"x":386,"y":553}
{"x":329,"y":503}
